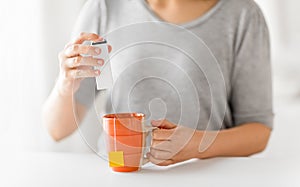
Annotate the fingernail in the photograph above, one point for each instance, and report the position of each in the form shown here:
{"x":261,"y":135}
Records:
{"x":97,"y":50}
{"x":99,"y":39}
{"x":100,"y":62}
{"x":97,"y":72}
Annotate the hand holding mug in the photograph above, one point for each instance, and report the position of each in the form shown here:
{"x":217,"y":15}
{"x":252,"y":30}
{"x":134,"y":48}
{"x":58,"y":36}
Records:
{"x":172,"y":143}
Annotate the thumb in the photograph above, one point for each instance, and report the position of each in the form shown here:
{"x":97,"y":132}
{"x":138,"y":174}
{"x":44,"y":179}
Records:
{"x":164,"y":124}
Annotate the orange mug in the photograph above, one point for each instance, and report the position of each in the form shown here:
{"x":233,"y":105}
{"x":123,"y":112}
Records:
{"x":125,"y":135}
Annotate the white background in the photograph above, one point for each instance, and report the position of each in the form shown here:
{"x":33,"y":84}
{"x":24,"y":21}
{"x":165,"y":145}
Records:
{"x":32,"y":32}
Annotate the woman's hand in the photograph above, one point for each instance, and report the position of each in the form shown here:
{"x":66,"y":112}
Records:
{"x":172,"y":144}
{"x":74,"y":67}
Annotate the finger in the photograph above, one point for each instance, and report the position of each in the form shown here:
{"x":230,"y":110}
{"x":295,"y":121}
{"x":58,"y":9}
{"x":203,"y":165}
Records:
{"x":82,"y":73}
{"x":109,"y":48}
{"x":76,"y":50}
{"x":87,"y":36}
{"x":165,"y":124}
{"x":161,"y":154}
{"x":162,"y":134}
{"x":83,"y":61}
{"x":158,"y":161}
{"x":161,"y":145}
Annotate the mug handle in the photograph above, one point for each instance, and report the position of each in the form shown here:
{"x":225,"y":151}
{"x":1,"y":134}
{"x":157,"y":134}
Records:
{"x":147,"y":130}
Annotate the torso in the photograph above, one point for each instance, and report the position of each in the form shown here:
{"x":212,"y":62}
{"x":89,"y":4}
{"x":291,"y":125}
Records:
{"x":151,"y":65}
{"x":164,"y":70}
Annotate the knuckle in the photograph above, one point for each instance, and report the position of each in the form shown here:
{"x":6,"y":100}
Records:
{"x":82,"y":34}
{"x":95,"y":61}
{"x":154,"y":134}
{"x":74,"y":47}
{"x":86,"y":60}
{"x":153,"y":146}
{"x":161,"y":145}
{"x":77,"y":61}
{"x":154,"y":153}
{"x":73,"y":73}
{"x":168,"y":155}
{"x":85,"y":49}
{"x":88,"y":48}
{"x":77,"y":73}
{"x":94,"y":35}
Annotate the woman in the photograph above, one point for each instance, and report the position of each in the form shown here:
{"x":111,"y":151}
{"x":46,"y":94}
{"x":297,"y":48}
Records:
{"x":236,"y":33}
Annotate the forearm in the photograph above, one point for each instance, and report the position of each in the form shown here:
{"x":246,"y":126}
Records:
{"x":244,"y":140}
{"x":60,"y":116}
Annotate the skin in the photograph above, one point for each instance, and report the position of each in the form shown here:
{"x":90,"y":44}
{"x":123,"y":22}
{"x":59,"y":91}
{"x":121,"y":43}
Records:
{"x":58,"y":115}
{"x":171,"y":143}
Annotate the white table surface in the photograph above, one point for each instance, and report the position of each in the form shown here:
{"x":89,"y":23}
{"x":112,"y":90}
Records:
{"x":88,"y":170}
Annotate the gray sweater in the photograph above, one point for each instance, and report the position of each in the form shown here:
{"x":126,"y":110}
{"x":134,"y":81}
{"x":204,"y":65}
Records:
{"x":211,"y":73}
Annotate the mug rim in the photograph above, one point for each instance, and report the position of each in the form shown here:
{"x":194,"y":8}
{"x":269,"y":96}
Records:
{"x":123,"y":115}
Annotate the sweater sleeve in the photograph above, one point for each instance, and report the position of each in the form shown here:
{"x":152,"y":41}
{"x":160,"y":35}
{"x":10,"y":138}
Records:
{"x":251,"y":96}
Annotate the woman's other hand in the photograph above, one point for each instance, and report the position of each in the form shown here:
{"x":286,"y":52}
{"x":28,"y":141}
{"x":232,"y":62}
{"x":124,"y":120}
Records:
{"x":172,"y":144}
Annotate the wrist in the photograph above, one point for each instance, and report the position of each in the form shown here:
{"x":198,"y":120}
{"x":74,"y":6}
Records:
{"x":64,"y":88}
{"x":195,"y":144}
{"x":200,"y":153}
